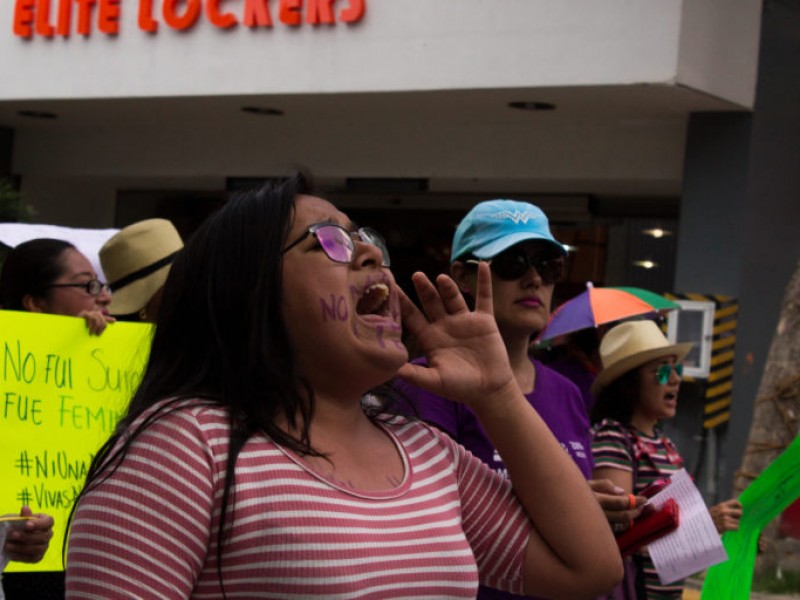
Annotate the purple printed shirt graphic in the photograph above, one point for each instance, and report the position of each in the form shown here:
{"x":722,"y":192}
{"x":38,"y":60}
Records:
{"x":558,"y":402}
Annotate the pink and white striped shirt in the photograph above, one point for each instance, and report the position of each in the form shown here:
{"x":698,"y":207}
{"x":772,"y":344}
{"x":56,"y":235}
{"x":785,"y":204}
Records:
{"x":150,"y":530}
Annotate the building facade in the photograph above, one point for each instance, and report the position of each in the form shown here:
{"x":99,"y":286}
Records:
{"x":615,"y":117}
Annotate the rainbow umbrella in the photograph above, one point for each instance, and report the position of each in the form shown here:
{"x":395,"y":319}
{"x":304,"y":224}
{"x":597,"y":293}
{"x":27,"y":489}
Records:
{"x":657,"y":301}
{"x":598,"y":306}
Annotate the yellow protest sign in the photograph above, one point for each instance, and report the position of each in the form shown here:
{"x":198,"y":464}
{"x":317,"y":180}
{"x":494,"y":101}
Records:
{"x":62,"y":392}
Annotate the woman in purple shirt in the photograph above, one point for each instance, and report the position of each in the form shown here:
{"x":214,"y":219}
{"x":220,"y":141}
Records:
{"x":526,"y":261}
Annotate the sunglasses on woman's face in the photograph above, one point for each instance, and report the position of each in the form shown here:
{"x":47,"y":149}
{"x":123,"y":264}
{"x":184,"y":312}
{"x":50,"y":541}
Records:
{"x":513,"y":263}
{"x":664,"y":372}
{"x":338,"y":244}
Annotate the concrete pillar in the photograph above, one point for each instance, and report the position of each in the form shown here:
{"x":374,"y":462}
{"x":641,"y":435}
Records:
{"x":740,"y":214}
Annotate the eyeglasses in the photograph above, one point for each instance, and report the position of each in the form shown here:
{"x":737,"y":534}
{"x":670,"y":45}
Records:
{"x":93,"y":287}
{"x":515,"y":262}
{"x":664,"y":371}
{"x":338,"y":244}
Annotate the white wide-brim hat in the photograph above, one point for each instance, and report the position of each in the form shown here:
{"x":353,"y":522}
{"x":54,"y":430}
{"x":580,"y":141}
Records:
{"x":136,"y":262}
{"x":630,"y":345}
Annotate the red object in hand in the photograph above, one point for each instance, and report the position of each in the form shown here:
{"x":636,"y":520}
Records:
{"x":655,"y":487}
{"x":649,"y":527}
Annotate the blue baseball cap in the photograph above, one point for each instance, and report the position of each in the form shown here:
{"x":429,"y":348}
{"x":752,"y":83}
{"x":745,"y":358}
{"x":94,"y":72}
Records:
{"x":496,"y":225}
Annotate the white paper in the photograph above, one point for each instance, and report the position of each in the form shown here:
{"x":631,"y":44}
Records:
{"x":5,"y":527}
{"x":695,"y":545}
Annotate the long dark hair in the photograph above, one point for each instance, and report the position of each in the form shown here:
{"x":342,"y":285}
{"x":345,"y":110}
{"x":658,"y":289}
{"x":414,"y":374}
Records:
{"x":29,"y":268}
{"x":220,"y":339}
{"x":618,"y":399}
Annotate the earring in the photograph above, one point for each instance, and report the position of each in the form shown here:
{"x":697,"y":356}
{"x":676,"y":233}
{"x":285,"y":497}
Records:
{"x":143,"y":314}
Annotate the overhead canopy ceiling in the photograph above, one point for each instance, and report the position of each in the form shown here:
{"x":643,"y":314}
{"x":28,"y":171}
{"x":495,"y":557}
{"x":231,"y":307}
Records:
{"x":605,"y":141}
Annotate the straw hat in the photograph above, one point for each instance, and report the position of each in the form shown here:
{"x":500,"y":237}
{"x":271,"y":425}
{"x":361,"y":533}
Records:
{"x":630,"y":345}
{"x":136,"y":262}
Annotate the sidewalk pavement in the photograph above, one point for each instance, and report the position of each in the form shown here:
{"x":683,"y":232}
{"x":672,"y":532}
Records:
{"x":693,"y":586}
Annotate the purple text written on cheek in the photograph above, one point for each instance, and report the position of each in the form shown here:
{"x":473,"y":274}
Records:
{"x":335,"y":308}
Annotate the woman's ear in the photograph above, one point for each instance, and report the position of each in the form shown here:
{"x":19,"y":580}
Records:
{"x":463,"y":276}
{"x":32,"y":304}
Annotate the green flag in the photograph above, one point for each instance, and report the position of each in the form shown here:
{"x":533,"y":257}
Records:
{"x":763,"y":500}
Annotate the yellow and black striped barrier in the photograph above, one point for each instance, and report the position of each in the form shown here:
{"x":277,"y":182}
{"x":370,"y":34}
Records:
{"x":719,"y":385}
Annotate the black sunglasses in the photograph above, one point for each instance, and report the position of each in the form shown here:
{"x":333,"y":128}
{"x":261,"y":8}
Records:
{"x":515,"y":262}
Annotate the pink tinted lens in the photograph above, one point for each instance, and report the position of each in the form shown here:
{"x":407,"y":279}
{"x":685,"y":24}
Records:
{"x":336,"y":243}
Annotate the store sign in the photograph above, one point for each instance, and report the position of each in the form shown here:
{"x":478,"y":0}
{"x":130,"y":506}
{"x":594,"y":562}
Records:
{"x":48,"y":18}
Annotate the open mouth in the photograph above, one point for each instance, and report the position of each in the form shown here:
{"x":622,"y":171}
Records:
{"x":374,"y":301}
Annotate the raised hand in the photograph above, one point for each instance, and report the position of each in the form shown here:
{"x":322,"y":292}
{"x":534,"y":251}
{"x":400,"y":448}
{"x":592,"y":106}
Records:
{"x":467,"y":360}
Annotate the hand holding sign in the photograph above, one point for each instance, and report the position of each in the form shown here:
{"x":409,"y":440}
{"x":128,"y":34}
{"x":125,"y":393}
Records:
{"x":26,"y":536}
